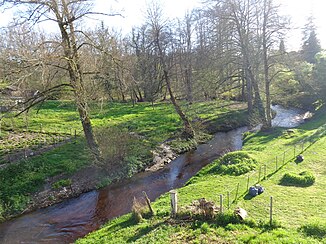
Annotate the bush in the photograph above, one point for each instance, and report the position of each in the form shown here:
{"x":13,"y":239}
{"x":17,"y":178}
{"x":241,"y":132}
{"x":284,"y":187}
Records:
{"x":305,"y":178}
{"x":315,"y":229}
{"x":234,"y":163}
{"x":121,"y":149}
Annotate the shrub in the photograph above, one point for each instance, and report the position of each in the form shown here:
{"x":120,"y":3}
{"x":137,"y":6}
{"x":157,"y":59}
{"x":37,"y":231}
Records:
{"x":315,"y":229}
{"x":234,"y":163}
{"x":227,"y":218}
{"x":121,"y":148}
{"x":305,"y":178}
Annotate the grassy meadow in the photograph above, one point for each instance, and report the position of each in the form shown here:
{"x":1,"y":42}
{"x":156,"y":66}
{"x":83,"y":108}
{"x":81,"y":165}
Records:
{"x":298,"y":211}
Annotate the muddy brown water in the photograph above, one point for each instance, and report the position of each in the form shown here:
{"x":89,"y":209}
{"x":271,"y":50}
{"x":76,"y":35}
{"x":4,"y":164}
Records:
{"x":74,"y":218}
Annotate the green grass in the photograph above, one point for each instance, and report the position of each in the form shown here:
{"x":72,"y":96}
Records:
{"x":315,"y":229}
{"x":21,"y":179}
{"x":156,"y":123}
{"x":54,"y":119}
{"x":296,"y":209}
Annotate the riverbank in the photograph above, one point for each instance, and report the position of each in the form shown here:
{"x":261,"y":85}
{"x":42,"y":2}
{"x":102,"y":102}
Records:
{"x":65,"y":172}
{"x":295,"y":221}
{"x":76,"y":217}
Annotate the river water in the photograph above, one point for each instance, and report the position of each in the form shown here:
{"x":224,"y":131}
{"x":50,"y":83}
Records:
{"x":74,"y":218}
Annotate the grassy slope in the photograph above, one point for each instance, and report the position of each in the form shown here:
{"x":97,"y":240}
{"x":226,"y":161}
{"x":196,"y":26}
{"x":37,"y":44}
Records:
{"x":294,"y":206}
{"x":156,"y":125}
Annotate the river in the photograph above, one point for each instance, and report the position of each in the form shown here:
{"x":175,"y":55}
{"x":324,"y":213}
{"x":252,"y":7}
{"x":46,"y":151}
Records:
{"x":74,"y":218}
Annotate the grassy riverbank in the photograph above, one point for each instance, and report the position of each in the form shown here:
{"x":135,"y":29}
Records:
{"x":140,"y":128}
{"x":298,"y":211}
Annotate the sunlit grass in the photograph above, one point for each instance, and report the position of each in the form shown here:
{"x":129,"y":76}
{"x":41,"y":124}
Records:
{"x":294,"y":206}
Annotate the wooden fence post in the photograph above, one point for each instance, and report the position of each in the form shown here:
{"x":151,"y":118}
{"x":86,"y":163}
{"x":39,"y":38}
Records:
{"x":237,"y":192}
{"x":271,"y":211}
{"x":248,"y":182}
{"x":221,"y":203}
{"x":148,"y":201}
{"x":228,"y":200}
{"x":174,"y":203}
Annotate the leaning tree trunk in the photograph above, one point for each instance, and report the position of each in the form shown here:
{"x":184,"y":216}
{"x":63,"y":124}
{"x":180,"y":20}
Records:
{"x":88,"y":131}
{"x":188,"y":130}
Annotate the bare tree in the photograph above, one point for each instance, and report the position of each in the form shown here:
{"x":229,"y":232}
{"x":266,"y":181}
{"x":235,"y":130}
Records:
{"x":66,"y":14}
{"x":163,"y":40}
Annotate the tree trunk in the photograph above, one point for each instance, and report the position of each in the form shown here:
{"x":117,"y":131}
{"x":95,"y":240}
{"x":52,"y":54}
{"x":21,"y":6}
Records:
{"x":76,"y":79}
{"x":188,"y":130}
{"x":268,"y":123}
{"x":88,"y":131}
{"x":189,"y":85}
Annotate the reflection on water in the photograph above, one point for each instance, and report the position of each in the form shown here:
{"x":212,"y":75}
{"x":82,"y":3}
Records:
{"x":67,"y":221}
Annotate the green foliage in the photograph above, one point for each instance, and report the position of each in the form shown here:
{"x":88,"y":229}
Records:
{"x":234,"y":163}
{"x":315,"y":229}
{"x":319,"y":75}
{"x":181,"y":145}
{"x":204,"y":228}
{"x":227,"y":218}
{"x":61,"y":183}
{"x":20,"y":180}
{"x":311,"y":47}
{"x":305,"y":178}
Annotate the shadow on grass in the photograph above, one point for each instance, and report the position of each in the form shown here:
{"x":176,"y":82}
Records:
{"x":247,"y":197}
{"x":129,"y":222}
{"x":226,"y":121}
{"x":264,"y":137}
{"x":143,"y":231}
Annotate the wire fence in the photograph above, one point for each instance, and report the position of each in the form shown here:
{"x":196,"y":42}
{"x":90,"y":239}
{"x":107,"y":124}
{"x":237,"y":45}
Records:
{"x":264,"y":172}
{"x":264,"y":209}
